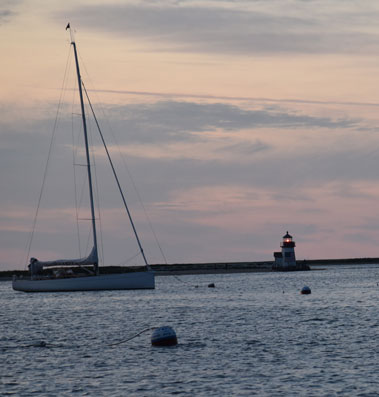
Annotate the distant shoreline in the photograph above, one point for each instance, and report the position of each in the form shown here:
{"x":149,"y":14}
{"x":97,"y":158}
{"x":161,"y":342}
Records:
{"x":212,"y":268}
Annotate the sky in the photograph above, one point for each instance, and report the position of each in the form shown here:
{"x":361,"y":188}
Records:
{"x":230,"y":121}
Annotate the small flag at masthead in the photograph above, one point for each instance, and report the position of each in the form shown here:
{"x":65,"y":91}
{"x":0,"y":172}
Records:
{"x":68,"y":26}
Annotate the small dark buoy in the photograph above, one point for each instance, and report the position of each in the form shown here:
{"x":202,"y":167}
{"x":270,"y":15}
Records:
{"x":164,"y":336}
{"x":39,"y":344}
{"x":305,"y":290}
{"x":211,"y":285}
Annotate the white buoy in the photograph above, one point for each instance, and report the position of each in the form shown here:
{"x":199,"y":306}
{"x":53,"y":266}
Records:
{"x":164,"y":336}
{"x":305,"y":290}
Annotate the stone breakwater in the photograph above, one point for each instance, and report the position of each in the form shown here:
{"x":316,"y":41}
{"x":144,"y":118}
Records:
{"x":245,"y":267}
{"x":209,"y":268}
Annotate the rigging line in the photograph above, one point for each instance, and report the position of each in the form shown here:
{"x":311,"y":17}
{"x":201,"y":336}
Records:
{"x":79,"y":197}
{"x":143,"y":207}
{"x":88,"y":240}
{"x":132,"y":337}
{"x":84,"y":184}
{"x":140,"y":200}
{"x":48,"y":345}
{"x":117,"y":180}
{"x":82,"y":193}
{"x":29,"y":244}
{"x":129,"y":259}
{"x":179,"y":279}
{"x":130,"y":175}
{"x":97,"y":195}
{"x":74,"y":153}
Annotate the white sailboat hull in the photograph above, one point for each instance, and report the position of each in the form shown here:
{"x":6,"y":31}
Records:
{"x":123,"y":281}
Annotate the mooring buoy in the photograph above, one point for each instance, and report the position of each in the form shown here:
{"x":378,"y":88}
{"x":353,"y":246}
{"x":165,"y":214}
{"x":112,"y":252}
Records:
{"x":305,"y":290}
{"x":39,"y":344}
{"x":164,"y":336}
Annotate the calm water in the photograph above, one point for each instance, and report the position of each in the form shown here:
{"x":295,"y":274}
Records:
{"x":254,"y":334}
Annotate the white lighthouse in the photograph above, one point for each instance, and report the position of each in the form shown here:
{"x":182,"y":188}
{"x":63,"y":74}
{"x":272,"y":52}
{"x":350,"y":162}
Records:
{"x":285,"y":260}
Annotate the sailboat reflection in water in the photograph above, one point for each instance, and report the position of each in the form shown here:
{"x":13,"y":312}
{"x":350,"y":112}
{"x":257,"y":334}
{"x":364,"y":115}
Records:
{"x":92,"y":280}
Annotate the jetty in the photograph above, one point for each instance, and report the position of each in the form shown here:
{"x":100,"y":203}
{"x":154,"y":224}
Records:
{"x":214,"y":267}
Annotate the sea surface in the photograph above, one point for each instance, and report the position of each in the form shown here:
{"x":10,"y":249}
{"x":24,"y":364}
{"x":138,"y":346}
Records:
{"x":254,"y":334}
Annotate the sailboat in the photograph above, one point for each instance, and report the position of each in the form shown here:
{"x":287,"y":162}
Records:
{"x":92,"y":280}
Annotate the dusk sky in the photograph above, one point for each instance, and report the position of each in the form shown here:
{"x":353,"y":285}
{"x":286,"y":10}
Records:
{"x":237,"y":120}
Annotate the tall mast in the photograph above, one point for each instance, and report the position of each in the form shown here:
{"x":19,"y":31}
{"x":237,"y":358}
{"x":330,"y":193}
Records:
{"x":87,"y":151}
